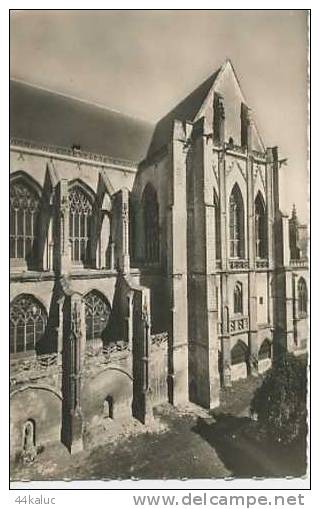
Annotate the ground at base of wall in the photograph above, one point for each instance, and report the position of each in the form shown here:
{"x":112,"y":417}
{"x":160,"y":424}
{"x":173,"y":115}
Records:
{"x":237,"y":398}
{"x":106,"y":431}
{"x":182,"y":442}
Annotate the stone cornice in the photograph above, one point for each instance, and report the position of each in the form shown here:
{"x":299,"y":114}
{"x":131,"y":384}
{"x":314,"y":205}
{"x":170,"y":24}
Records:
{"x":238,"y":151}
{"x":31,"y":147}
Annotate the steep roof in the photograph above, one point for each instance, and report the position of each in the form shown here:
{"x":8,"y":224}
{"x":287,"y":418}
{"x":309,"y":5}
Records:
{"x":49,"y":118}
{"x":53,"y":119}
{"x":187,"y":109}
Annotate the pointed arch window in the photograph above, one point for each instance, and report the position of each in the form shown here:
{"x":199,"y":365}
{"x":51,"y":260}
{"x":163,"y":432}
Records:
{"x":239,"y":353}
{"x":24,"y":214}
{"x":302,"y":297}
{"x":97,"y":313}
{"x":265,"y":351}
{"x":236,"y":223}
{"x":238,"y":299}
{"x":217,"y":226}
{"x":151,"y":224}
{"x":80,"y":216}
{"x":132,"y":229}
{"x":28,"y":320}
{"x":260,"y":227}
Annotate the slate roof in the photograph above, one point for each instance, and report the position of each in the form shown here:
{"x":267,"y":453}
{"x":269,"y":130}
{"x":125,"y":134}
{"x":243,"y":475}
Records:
{"x":45,"y":117}
{"x":187,"y":109}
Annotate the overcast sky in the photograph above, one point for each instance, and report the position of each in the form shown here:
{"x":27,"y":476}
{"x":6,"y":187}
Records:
{"x":143,"y":62}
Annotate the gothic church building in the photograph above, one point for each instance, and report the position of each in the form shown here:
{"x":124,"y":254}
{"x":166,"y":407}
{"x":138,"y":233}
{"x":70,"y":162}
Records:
{"x":148,"y":263}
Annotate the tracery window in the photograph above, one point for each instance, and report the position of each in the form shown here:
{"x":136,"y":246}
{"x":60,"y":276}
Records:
{"x":302,"y":297}
{"x":151,"y":224}
{"x":237,"y":299}
{"x":24,"y":209}
{"x":80,"y":214}
{"x":260,"y":227}
{"x":236,"y":223}
{"x":97,"y":312}
{"x":28,"y":321}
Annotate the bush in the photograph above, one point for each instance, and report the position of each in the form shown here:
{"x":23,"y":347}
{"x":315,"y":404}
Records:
{"x":280,"y":402}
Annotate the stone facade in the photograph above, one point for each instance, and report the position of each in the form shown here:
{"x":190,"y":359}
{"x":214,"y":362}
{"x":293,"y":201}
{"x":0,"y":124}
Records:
{"x":135,"y":282}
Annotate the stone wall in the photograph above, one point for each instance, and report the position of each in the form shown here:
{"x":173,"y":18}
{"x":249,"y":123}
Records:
{"x":43,"y":406}
{"x":174,"y":333}
{"x":107,"y":386}
{"x":159,"y":368}
{"x":35,"y":164}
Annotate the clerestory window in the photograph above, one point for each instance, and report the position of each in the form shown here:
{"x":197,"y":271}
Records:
{"x":24,"y":212}
{"x":80,"y":215}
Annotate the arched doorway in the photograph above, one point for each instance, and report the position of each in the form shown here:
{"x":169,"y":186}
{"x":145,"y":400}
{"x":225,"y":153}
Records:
{"x":265,"y":351}
{"x":239,"y":360}
{"x":265,"y":355}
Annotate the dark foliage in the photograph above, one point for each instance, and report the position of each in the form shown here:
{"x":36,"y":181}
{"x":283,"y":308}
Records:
{"x":280,"y":403}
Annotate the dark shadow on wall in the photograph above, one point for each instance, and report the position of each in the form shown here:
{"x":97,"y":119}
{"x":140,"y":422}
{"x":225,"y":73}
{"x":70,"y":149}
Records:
{"x":247,"y":453}
{"x":159,"y":299}
{"x":115,"y":330}
{"x":49,"y":342}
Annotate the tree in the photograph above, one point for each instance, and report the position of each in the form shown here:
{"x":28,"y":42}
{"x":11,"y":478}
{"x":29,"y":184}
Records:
{"x":280,"y":402}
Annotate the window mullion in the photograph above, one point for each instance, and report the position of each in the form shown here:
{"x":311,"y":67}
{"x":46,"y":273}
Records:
{"x":16,"y":232}
{"x":32,"y":229}
{"x":34,"y":334}
{"x":24,"y":233}
{"x":73,"y":233}
{"x":85,"y":240}
{"x":25,"y":336}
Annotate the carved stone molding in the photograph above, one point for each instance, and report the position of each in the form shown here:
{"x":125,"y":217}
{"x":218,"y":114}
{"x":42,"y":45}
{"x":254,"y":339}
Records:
{"x":234,"y":164}
{"x":216,"y":173}
{"x":65,"y":151}
{"x":258,"y":170}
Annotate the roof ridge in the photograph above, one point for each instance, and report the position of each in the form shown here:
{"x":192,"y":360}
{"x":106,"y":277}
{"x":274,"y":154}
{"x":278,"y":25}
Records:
{"x":193,"y":92}
{"x":186,"y":109}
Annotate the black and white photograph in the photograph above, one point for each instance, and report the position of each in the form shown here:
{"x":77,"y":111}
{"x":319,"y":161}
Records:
{"x":159,"y":245}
